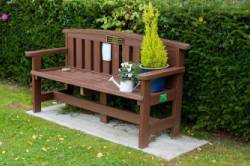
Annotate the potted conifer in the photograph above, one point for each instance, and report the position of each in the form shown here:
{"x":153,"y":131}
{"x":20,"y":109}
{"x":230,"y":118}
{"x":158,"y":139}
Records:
{"x":153,"y":52}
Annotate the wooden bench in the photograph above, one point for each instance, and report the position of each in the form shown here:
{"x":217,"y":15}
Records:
{"x":83,"y":56}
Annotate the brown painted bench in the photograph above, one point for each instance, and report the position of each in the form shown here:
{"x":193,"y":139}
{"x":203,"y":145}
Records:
{"x":83,"y":55}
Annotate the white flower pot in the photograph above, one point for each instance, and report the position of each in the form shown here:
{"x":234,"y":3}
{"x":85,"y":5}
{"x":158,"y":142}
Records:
{"x":126,"y":86}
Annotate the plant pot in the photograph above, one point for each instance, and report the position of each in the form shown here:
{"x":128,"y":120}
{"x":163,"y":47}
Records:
{"x":158,"y":84}
{"x":126,"y":86}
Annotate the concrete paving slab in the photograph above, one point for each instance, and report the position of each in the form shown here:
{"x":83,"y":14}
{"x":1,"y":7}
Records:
{"x":120,"y":132}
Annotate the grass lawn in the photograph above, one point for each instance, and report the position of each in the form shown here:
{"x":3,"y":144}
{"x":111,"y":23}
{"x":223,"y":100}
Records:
{"x":26,"y":140}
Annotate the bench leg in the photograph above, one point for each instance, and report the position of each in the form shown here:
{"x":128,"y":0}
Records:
{"x":103,"y":100}
{"x":144,"y":132}
{"x":176,"y":107}
{"x":144,"y":125}
{"x":69,"y":89}
{"x":176,"y":112}
{"x":104,"y":118}
{"x":36,"y":94}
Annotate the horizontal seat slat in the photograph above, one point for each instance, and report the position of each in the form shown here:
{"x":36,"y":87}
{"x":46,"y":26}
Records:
{"x":87,"y":79}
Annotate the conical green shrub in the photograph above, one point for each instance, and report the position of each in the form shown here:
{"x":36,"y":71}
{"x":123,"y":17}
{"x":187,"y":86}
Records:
{"x":153,"y":52}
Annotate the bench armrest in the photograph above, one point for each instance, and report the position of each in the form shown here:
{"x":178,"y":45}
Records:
{"x":46,"y":51}
{"x":161,"y":73}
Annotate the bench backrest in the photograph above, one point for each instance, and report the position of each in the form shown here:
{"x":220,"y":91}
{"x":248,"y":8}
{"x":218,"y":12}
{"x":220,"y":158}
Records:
{"x":84,"y":49}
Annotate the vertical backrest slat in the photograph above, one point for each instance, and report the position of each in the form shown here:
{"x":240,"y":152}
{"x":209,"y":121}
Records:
{"x":106,"y":67}
{"x":125,"y":53}
{"x":87,"y":54}
{"x":97,"y":56}
{"x":79,"y":53}
{"x":67,"y":46}
{"x":181,"y":57}
{"x":115,"y":59}
{"x":136,"y":55}
{"x":173,"y":56}
{"x":70,"y":52}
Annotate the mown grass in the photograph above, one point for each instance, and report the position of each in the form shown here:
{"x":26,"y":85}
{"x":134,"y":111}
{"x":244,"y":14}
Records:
{"x":26,"y":140}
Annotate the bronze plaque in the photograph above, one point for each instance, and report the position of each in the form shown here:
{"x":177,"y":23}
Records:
{"x":115,"y":40}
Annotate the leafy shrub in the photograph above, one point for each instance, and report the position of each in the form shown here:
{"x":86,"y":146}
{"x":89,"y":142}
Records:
{"x":217,"y":79}
{"x":121,"y":15}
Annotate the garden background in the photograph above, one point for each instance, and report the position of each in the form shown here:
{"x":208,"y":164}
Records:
{"x":217,"y":78}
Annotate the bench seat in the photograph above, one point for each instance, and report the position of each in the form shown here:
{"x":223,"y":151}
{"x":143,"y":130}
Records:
{"x":87,"y":79}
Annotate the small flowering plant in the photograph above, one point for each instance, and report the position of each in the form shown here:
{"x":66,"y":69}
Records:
{"x":5,"y":17}
{"x":128,"y":71}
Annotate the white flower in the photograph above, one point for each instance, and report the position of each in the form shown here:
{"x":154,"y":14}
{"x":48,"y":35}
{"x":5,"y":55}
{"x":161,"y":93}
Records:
{"x":130,"y":75}
{"x":125,"y":64}
{"x":129,"y":69}
{"x":122,"y":64}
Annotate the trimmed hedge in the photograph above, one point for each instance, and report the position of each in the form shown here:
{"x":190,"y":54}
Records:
{"x":217,"y":80}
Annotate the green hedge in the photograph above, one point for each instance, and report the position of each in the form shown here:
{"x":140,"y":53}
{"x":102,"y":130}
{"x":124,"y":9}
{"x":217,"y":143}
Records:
{"x":217,"y":80}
